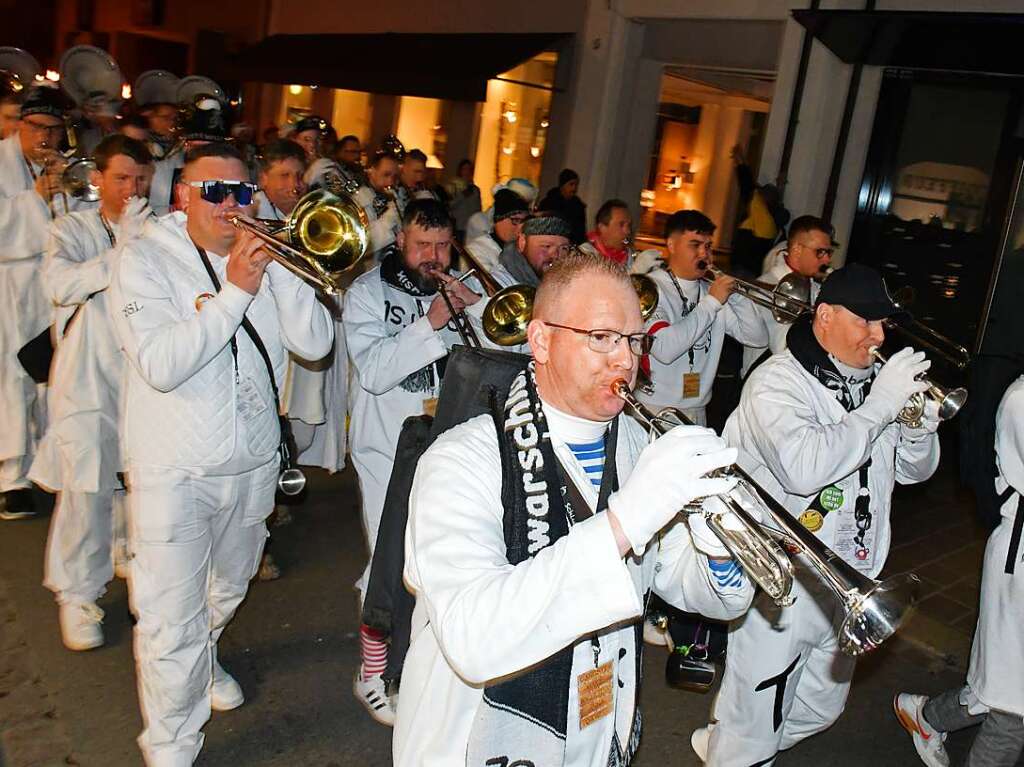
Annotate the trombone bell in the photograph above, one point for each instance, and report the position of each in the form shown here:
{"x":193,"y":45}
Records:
{"x":325,"y":236}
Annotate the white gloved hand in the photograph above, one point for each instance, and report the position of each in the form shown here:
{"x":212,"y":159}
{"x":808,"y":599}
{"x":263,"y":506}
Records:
{"x":668,"y":476}
{"x":705,"y":540}
{"x":136,"y":213}
{"x":929,"y":421}
{"x":897,"y":381}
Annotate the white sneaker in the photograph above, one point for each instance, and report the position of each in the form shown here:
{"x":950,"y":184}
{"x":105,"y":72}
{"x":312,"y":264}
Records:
{"x":225,"y":692}
{"x":372,"y":693}
{"x":700,"y":739}
{"x":80,"y":625}
{"x":927,"y":740}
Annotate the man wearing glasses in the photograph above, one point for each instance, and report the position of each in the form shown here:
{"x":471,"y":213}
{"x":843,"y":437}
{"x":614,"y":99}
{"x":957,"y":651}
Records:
{"x":808,"y":253}
{"x":510,"y":213}
{"x":692,"y":319}
{"x":527,"y":549}
{"x":30,"y":170}
{"x":203,"y":314}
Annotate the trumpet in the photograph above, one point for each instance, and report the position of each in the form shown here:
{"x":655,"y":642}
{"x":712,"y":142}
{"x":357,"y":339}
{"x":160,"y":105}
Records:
{"x":874,"y":609}
{"x":323,"y":237}
{"x":787,"y":300}
{"x":949,"y":400}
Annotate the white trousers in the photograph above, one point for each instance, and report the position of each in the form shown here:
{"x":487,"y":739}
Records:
{"x":14,"y":470}
{"x":374,"y":472}
{"x":197,"y":543}
{"x":86,"y":532}
{"x":785,"y":677}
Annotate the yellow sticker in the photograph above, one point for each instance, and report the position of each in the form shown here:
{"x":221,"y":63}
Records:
{"x":595,"y":689}
{"x":430,"y":406}
{"x":812,"y":520}
{"x":691,"y":385}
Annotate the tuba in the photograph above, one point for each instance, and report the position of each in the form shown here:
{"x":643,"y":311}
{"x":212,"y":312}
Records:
{"x":874,"y":609}
{"x":324,"y":237}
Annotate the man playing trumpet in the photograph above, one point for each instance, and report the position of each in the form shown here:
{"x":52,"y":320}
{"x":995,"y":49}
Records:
{"x":816,"y":427}
{"x":532,"y":540}
{"x":30,"y":196}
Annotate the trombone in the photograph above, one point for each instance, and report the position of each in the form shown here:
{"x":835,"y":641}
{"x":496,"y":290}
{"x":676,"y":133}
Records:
{"x":323,"y":237}
{"x":874,"y":609}
{"x":787,"y":300}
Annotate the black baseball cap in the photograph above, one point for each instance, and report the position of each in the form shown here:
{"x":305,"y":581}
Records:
{"x":860,"y":289}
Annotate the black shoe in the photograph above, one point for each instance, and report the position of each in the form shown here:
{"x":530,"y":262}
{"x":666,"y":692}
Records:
{"x":18,"y":504}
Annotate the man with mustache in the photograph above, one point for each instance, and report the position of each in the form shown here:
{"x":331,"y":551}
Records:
{"x":808,"y":253}
{"x":398,"y":330}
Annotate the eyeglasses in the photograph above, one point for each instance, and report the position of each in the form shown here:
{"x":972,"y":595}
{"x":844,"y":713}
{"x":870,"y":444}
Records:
{"x":819,"y":252}
{"x":216,"y":192}
{"x":604,"y":341}
{"x":40,"y":128}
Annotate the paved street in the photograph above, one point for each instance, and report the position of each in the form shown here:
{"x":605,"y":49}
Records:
{"x":294,"y":648}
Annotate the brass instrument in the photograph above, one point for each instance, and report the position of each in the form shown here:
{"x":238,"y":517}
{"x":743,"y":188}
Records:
{"x":874,"y":610}
{"x":949,"y":400}
{"x":76,"y":180}
{"x":325,"y":236}
{"x":787,"y":300}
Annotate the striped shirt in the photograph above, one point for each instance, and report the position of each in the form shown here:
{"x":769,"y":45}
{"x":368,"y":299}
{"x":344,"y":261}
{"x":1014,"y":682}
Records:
{"x":591,"y":457}
{"x":726,"y":574}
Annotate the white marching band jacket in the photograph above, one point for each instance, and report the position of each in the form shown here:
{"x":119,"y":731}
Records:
{"x":393,"y":351}
{"x":85,"y":382}
{"x":798,"y":442}
{"x":184,"y":405}
{"x":698,"y":334}
{"x":995,"y":677}
{"x":478,"y":618}
{"x":24,"y":221}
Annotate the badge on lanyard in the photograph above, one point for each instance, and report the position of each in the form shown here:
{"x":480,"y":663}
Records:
{"x":430,"y":406}
{"x":691,"y":385}
{"x":595,"y":693}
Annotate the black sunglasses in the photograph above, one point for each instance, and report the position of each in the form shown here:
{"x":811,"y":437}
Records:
{"x":216,"y":192}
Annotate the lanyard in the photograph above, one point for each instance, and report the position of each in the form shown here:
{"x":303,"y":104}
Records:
{"x":108,"y":229}
{"x":687,"y":308}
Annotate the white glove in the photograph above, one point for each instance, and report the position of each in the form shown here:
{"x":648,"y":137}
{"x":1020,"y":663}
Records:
{"x":705,"y":540}
{"x":668,"y":476}
{"x":136,"y":213}
{"x":647,"y":261}
{"x":897,"y":381}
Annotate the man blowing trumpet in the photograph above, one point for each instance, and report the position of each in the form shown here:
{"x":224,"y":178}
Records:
{"x":530,"y":554}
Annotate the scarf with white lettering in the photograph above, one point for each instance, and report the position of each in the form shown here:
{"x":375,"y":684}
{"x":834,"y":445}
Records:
{"x":523,"y":718}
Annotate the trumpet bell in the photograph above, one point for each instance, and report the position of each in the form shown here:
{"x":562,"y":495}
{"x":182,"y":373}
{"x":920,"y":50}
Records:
{"x":875,"y":615}
{"x":647,"y":293}
{"x":76,"y":180}
{"x":950,"y":405}
{"x":508,"y":314}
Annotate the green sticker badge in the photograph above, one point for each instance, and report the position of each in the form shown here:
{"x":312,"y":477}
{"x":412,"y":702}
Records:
{"x":831,"y":498}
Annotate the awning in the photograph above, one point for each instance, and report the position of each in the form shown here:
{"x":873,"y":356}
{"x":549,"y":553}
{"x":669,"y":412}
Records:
{"x":447,"y":66}
{"x":966,"y":42}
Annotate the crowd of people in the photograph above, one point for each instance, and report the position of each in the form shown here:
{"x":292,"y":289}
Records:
{"x":162,"y":368}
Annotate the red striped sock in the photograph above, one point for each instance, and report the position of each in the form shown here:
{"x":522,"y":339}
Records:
{"x":374,"y":651}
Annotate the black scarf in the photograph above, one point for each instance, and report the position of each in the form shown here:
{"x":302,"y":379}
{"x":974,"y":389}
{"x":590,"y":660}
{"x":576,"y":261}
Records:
{"x":394,"y":273}
{"x":528,"y":713}
{"x":515,"y":263}
{"x":815,"y":360}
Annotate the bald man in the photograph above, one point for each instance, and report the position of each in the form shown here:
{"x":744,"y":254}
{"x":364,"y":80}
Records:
{"x":493,"y":551}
